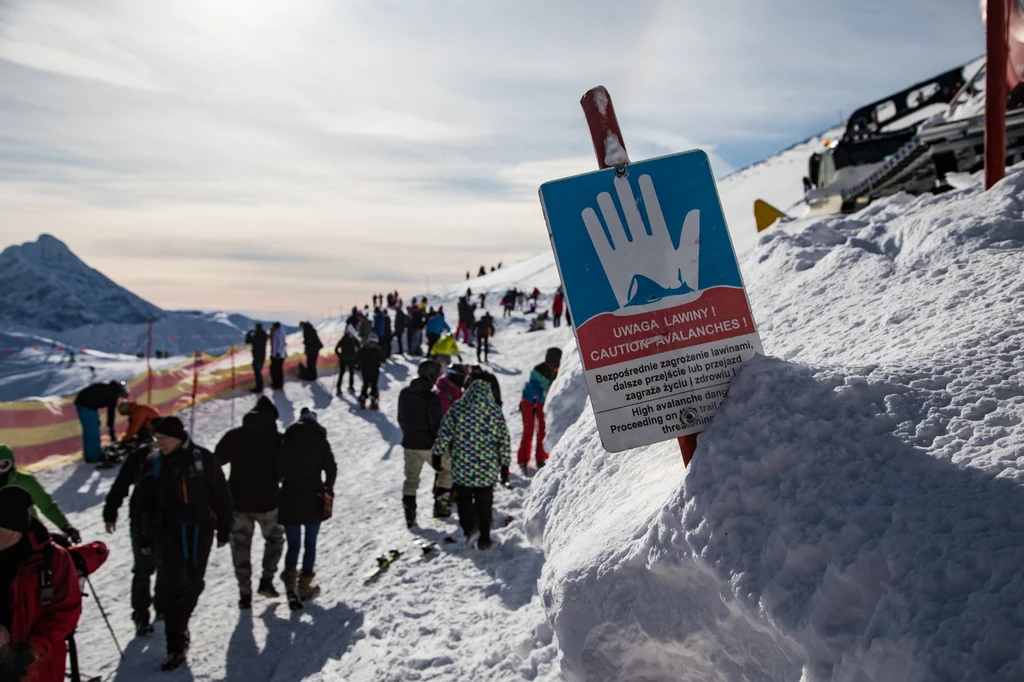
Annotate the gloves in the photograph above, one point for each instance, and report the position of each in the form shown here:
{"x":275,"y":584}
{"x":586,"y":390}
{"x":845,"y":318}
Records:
{"x":504,"y":477}
{"x":72,"y":534}
{"x":435,"y":462}
{"x":15,"y":660}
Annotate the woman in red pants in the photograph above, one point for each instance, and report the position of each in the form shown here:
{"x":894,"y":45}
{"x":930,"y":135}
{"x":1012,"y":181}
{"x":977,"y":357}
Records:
{"x":532,"y":407}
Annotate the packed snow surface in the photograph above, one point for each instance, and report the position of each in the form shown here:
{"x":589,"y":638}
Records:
{"x":854,"y":511}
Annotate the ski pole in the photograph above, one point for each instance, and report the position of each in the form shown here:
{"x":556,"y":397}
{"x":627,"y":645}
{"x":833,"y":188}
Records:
{"x":105,"y":619}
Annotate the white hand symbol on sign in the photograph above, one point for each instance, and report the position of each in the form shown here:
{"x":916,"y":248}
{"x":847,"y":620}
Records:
{"x":635,"y":253}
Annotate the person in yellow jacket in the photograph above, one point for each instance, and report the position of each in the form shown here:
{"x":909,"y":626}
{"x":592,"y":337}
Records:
{"x":443,"y":350}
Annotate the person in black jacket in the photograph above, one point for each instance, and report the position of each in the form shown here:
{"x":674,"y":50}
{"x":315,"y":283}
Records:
{"x":416,"y":324}
{"x":257,"y":338}
{"x":88,"y":403}
{"x":251,"y":450}
{"x":139,"y":469}
{"x":371,"y":357}
{"x":419,"y":416}
{"x":308,"y":471}
{"x":312,"y":345}
{"x":400,"y":322}
{"x":347,"y":351}
{"x":189,"y":502}
{"x":484,"y":329}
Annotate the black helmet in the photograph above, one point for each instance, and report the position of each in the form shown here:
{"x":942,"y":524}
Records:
{"x":123,"y":386}
{"x":429,"y":369}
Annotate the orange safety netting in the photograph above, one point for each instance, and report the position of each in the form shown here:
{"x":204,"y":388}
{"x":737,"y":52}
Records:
{"x":39,"y":430}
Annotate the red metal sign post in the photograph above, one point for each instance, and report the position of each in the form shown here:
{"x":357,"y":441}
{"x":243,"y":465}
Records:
{"x":149,"y":363}
{"x":996,"y":49}
{"x":610,"y":149}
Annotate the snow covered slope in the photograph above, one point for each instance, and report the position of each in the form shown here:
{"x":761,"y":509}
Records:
{"x":854,"y":512}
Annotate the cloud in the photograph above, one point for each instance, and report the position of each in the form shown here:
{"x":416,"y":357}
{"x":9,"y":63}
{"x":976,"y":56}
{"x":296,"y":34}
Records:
{"x":255,"y":153}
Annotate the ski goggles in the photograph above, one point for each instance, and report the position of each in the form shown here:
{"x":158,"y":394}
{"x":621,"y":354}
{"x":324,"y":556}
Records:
{"x":6,"y":465}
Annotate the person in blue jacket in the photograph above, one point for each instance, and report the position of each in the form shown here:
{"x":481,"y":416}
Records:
{"x":532,"y":407}
{"x":436,"y":326}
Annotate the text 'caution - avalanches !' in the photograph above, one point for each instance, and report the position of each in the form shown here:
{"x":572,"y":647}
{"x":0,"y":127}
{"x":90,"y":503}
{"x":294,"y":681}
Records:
{"x":655,"y":293}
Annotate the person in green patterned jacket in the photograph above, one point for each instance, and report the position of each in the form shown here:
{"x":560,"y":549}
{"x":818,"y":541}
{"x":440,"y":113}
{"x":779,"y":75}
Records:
{"x":41,"y":500}
{"x":475,"y":434}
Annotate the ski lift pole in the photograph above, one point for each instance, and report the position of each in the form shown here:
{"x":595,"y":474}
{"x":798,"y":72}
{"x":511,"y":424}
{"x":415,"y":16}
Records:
{"x":610,"y":149}
{"x":996,"y":55}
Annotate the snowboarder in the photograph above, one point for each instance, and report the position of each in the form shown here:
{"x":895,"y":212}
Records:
{"x":311,"y":345}
{"x":140,"y":469}
{"x":419,"y":416}
{"x":371,"y":357}
{"x":36,"y":617}
{"x":257,"y":338}
{"x":557,"y":307}
{"x":347,"y":351}
{"x":88,"y":403}
{"x":435,"y":327}
{"x":532,"y":407}
{"x":443,"y":349}
{"x":475,"y":435}
{"x":251,"y":450}
{"x":308,"y":471}
{"x":278,"y":351}
{"x":484,"y":329}
{"x":190,"y":504}
{"x":42,"y":503}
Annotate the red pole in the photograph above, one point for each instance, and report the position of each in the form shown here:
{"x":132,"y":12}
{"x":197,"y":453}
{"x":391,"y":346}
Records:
{"x":996,"y":49}
{"x":610,"y":149}
{"x":195,"y":378}
{"x":149,"y":363}
{"x":232,"y":367}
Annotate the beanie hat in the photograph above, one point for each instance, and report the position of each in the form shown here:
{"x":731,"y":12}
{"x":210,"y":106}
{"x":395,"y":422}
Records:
{"x":14,"y":506}
{"x":265,"y":404}
{"x":307,"y":414}
{"x":428,"y":369}
{"x":553,"y":357}
{"x":170,"y":426}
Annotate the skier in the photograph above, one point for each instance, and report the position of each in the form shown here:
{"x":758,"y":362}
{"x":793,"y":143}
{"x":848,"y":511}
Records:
{"x":532,"y":407}
{"x":466,"y":319}
{"x":140,"y":421}
{"x":371,"y":357}
{"x":484,"y":330}
{"x":308,"y":472}
{"x":191,"y":502}
{"x":401,"y":319}
{"x":278,"y":351}
{"x":140,"y":469}
{"x":42,"y":503}
{"x":35,"y":617}
{"x":509,"y":302}
{"x":475,"y":435}
{"x":347,"y":351}
{"x":435,"y":327}
{"x":419,"y":416}
{"x":251,"y":450}
{"x":557,"y":306}
{"x":534,"y":295}
{"x":257,"y":338}
{"x":311,"y":345}
{"x":417,"y":321}
{"x":88,"y":403}
{"x":443,"y":349}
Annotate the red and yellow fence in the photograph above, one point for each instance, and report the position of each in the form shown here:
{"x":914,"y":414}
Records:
{"x":46,"y":432}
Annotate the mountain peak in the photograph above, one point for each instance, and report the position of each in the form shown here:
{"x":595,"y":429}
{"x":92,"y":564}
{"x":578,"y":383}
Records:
{"x":45,"y":286}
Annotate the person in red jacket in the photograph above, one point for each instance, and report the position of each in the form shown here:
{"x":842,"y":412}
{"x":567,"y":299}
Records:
{"x":557,"y":308}
{"x":35,"y":619}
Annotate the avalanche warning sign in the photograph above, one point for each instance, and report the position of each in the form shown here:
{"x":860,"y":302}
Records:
{"x":657,"y":301}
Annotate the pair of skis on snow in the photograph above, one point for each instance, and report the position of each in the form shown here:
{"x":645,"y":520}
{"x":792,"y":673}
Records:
{"x":422,"y":551}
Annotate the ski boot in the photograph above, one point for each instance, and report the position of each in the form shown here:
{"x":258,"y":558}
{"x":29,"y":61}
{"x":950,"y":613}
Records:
{"x":290,"y":578}
{"x":307,"y":588}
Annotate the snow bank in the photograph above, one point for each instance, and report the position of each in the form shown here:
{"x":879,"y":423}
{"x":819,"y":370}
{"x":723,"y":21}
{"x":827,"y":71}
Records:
{"x":853,"y":514}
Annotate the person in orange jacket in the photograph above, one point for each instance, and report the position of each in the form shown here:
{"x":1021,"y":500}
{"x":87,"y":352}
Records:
{"x":35,"y":619}
{"x":140,"y":419}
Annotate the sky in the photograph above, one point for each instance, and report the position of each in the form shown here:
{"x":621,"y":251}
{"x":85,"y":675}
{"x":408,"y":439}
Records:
{"x":291,"y":158}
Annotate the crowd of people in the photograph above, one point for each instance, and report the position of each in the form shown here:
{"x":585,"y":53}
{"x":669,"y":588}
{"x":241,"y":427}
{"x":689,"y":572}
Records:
{"x":181,"y":505}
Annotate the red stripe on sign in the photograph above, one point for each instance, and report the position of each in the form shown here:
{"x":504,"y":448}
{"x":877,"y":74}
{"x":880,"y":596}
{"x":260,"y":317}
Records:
{"x":30,"y":454}
{"x":609,"y":339}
